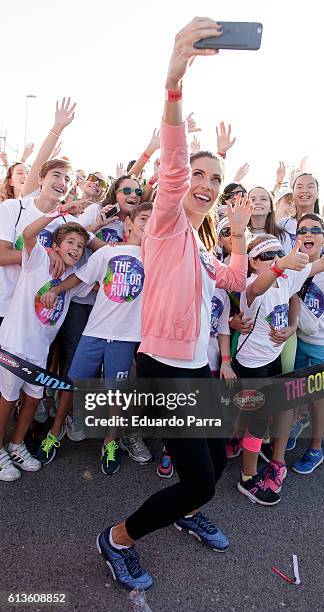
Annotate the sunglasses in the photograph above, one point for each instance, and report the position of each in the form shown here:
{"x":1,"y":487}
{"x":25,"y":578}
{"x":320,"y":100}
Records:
{"x":94,"y":179}
{"x":233,"y":194}
{"x":268,"y":255}
{"x":129,"y":190}
{"x":226,"y":232}
{"x":312,"y":230}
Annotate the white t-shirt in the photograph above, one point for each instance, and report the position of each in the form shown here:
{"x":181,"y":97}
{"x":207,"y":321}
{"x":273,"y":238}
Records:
{"x":11,"y":231}
{"x":29,"y":327}
{"x":208,"y":277}
{"x":112,"y":232}
{"x":258,"y":349}
{"x":314,"y":300}
{"x":116,"y":314}
{"x":218,"y":325}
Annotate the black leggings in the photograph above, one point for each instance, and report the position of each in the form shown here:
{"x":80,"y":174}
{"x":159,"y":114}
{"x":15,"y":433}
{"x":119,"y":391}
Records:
{"x":198,"y":462}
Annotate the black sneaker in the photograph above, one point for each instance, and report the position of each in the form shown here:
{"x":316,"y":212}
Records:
{"x":266,"y":452}
{"x":110,"y":460}
{"x":258,"y":491}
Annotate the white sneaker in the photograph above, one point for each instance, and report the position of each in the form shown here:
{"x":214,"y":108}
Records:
{"x":22,"y":458}
{"x":74,"y":429}
{"x":8,"y":472}
{"x":41,"y":414}
{"x":136,"y":449}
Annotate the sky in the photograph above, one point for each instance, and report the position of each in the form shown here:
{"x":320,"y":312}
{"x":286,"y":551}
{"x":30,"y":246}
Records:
{"x":112,"y":58}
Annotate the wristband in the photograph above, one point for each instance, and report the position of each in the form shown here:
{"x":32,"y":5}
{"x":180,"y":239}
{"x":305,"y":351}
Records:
{"x":173,"y":96}
{"x":277,"y":272}
{"x":221,"y":154}
{"x":227,"y":358}
{"x":55,"y":134}
{"x":153,"y":180}
{"x":145,"y":157}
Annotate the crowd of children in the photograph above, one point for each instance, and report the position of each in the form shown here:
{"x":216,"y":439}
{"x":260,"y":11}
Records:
{"x":84,"y":292}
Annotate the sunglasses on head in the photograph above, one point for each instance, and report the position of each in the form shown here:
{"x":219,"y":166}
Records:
{"x":226,"y":232}
{"x":129,"y":190}
{"x":268,"y":255}
{"x":312,"y":230}
{"x":94,"y":179}
{"x":233,"y":194}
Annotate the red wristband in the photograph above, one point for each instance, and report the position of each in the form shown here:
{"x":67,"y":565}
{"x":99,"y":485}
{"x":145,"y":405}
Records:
{"x":153,"y":180}
{"x":145,"y":157}
{"x":277,"y":272}
{"x":226,"y":358}
{"x":173,"y":96}
{"x":221,"y":154}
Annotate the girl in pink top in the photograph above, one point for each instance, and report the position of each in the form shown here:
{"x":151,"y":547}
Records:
{"x":180,"y":278}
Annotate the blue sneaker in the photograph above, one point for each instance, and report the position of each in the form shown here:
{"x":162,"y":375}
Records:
{"x":124,"y":564}
{"x":200,"y":527}
{"x":301,"y":424}
{"x":309,"y":461}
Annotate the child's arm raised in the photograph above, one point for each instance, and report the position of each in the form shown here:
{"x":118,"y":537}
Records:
{"x":32,"y":230}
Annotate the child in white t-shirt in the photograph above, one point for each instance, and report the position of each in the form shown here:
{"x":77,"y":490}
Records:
{"x":310,"y":342}
{"x":29,"y":328}
{"x":113,"y":329}
{"x":274,"y":279}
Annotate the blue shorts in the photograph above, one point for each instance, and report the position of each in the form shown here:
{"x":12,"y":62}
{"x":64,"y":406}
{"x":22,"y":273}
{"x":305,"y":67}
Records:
{"x":308,"y":354}
{"x":116,"y":357}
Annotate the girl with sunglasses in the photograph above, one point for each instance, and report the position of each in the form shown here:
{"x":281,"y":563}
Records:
{"x":274,"y":278}
{"x":310,"y":343}
{"x":127,"y":193}
{"x":180,"y":279}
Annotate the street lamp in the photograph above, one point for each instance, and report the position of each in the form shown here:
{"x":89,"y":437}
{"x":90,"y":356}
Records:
{"x":28,"y":97}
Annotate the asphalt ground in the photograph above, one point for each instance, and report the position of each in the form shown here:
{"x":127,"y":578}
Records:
{"x":50,"y":520}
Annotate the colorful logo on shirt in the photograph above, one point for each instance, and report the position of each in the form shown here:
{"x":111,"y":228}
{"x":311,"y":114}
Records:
{"x":44,"y":237}
{"x":278,"y":318}
{"x":107,"y":234}
{"x":49,"y":316}
{"x":217,"y":309}
{"x":124,"y":278}
{"x":314,"y":300}
{"x":207,"y":262}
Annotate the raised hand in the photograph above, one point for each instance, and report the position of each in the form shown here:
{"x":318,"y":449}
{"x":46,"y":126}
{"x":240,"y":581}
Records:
{"x":27,"y":151}
{"x":192,"y":126}
{"x":240,"y":214}
{"x":4,"y":158}
{"x":154,"y":143}
{"x":195,"y":145}
{"x":295,"y":260}
{"x":280,"y":173}
{"x":184,"y":51}
{"x":120,"y":170}
{"x":224,"y":142}
{"x":302,"y":166}
{"x":64,"y":114}
{"x":241,"y":173}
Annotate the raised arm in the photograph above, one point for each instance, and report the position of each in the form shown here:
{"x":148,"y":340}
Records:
{"x":152,"y":146}
{"x":64,"y":115}
{"x":32,"y":230}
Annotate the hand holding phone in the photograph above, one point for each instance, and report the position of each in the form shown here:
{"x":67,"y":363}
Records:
{"x":112,"y":212}
{"x":235,"y":35}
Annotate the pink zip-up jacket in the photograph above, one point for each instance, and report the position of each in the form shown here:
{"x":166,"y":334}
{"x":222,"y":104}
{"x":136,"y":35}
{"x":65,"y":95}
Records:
{"x":172,"y":292}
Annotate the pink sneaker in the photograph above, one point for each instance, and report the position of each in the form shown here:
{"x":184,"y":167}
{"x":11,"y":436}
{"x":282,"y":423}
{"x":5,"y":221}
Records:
{"x":233,"y":448}
{"x":274,"y":475}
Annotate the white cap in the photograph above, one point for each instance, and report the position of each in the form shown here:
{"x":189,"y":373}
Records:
{"x":281,"y":193}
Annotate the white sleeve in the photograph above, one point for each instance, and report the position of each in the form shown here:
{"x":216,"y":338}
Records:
{"x":9,"y":213}
{"x":297,"y":279}
{"x":89,"y":216}
{"x":92,"y":271}
{"x":38,"y":258}
{"x":223,"y":325}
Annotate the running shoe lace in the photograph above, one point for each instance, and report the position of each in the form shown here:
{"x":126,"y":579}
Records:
{"x":203,"y":522}
{"x":272,"y":473}
{"x":111,"y":448}
{"x":261,"y":484}
{"x":49,"y":441}
{"x":132,"y":562}
{"x":137,"y":444}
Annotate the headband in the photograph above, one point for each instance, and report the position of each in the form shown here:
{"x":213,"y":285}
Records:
{"x":263,"y":246}
{"x":222,"y":224}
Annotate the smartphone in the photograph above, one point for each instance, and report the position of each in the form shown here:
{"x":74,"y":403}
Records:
{"x":110,"y":213}
{"x":235,"y":35}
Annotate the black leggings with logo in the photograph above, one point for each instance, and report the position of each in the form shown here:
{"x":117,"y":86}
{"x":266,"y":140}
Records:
{"x":199,"y":464}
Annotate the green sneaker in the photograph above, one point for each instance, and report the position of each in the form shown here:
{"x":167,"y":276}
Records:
{"x":47,"y":449}
{"x":110,"y":460}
